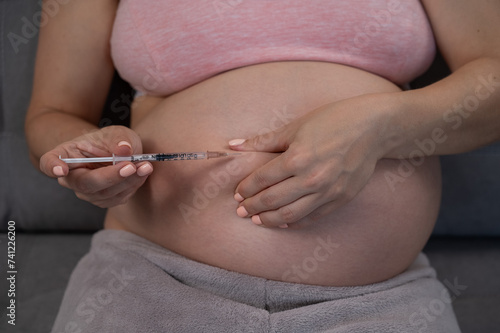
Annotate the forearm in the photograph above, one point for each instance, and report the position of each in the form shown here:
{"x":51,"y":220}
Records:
{"x":45,"y":130}
{"x":457,"y":114}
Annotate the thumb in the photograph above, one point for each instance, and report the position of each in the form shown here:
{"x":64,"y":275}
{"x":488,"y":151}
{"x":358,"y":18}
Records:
{"x":272,"y":142}
{"x":121,"y":141}
{"x":123,"y":148}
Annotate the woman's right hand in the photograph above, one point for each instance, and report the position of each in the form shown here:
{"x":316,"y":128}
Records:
{"x":105,"y":185}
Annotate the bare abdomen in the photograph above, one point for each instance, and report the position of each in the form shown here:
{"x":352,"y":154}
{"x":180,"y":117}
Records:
{"x":188,"y":207}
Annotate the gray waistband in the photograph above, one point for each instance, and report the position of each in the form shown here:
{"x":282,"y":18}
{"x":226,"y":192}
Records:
{"x":246,"y":289}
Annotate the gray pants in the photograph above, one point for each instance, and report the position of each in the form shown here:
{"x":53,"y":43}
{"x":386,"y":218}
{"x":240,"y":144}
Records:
{"x":128,"y":284}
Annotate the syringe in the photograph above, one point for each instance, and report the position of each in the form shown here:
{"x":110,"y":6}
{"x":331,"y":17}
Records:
{"x":151,"y":157}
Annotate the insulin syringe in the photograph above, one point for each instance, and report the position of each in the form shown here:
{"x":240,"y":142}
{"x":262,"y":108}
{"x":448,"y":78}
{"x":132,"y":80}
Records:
{"x":151,"y":157}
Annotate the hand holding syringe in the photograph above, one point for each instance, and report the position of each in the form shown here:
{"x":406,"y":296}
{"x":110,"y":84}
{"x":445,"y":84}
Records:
{"x":85,"y":164}
{"x":151,"y":157}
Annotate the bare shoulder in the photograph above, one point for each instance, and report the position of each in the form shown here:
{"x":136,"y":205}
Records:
{"x":465,"y":30}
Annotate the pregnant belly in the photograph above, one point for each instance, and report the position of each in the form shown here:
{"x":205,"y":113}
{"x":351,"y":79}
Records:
{"x":188,"y":206}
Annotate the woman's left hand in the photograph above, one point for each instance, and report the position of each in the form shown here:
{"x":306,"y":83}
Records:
{"x":328,"y":157}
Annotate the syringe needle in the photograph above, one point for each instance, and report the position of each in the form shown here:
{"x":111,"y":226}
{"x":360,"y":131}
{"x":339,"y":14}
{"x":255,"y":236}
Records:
{"x":217,"y":154}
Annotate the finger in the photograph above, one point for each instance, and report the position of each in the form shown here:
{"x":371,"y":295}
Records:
{"x":267,"y":175}
{"x":82,"y":179}
{"x":123,"y":148}
{"x":110,"y":140}
{"x":272,"y":142}
{"x":102,"y":147}
{"x":127,"y":142}
{"x":290,"y":213}
{"x":51,"y":165}
{"x":119,"y":140}
{"x":90,"y":181}
{"x":274,"y":197}
{"x":144,"y":169}
{"x":324,"y":207}
{"x":115,"y":194}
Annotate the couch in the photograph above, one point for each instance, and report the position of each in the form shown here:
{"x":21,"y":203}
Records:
{"x":53,"y":228}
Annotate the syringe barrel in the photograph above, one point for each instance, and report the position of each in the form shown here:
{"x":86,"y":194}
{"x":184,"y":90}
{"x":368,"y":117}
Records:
{"x":135,"y":158}
{"x":181,"y":156}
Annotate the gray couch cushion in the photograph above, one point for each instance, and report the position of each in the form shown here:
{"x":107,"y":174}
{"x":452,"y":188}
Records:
{"x":33,"y":200}
{"x":471,"y":193}
{"x":44,"y":263}
{"x":472,"y":267}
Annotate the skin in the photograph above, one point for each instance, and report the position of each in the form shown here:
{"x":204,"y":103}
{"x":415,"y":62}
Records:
{"x":62,"y":102}
{"x":453,"y":22}
{"x":321,"y":167}
{"x":189,"y":207}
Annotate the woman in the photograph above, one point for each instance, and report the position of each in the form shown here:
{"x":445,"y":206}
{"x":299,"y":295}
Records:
{"x":336,"y":190}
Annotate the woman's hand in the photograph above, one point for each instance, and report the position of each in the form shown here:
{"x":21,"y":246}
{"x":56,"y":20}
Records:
{"x":104,"y":186}
{"x":328,"y":157}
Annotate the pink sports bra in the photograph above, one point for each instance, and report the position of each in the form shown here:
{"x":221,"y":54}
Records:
{"x":161,"y":47}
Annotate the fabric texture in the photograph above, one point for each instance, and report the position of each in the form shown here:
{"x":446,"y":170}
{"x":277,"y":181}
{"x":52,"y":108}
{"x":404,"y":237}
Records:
{"x":128,"y":284}
{"x":161,"y":47}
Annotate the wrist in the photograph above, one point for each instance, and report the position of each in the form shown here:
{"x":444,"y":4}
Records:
{"x":388,"y":110}
{"x":41,"y":136}
{"x":401,"y":125}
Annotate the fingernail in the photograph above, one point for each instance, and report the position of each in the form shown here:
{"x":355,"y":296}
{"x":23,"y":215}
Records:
{"x":58,"y":171}
{"x":256,"y":220}
{"x":236,"y":142}
{"x":238,"y":197}
{"x":283,"y":226}
{"x":124,"y":143}
{"x":145,"y":170}
{"x":127,"y":171}
{"x":241,"y":212}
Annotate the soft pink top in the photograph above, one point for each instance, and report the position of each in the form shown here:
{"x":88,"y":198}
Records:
{"x":161,"y":46}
